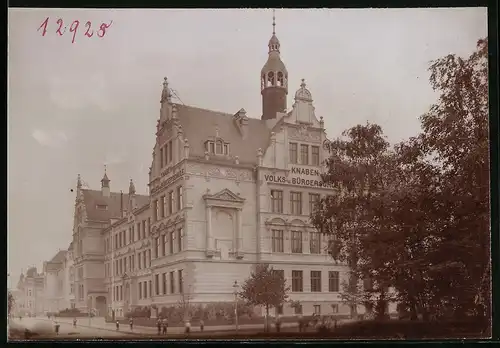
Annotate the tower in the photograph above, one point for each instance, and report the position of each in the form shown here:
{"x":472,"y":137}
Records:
{"x":273,"y":80}
{"x":105,"y":184}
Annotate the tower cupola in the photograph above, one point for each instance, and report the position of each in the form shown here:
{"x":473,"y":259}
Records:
{"x":273,"y":79}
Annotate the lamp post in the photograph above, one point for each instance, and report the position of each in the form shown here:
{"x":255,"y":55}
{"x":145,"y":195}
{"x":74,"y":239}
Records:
{"x":235,"y":287}
{"x":89,"y":306}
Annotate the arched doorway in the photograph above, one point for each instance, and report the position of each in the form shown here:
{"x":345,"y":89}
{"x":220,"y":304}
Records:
{"x":100,"y":305}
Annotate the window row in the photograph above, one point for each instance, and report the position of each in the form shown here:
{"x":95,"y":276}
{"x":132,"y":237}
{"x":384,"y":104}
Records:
{"x":166,"y":154}
{"x":127,"y":263}
{"x":135,"y":232}
{"x":217,"y":147}
{"x":278,"y":242}
{"x":296,"y":202}
{"x":167,"y":204}
{"x":145,"y":289}
{"x":169,"y":243}
{"x":294,"y":148}
{"x":316,"y":309}
{"x":315,"y":277}
{"x":164,"y":287}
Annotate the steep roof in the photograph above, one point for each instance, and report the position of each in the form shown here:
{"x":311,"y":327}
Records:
{"x":199,"y":125}
{"x":59,"y":257}
{"x":113,"y":203}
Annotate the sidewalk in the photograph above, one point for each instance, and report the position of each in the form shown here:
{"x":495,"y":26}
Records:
{"x":99,"y":323}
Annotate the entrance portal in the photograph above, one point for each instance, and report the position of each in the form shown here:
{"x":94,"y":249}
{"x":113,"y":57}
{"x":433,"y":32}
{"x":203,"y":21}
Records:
{"x":100,"y":305}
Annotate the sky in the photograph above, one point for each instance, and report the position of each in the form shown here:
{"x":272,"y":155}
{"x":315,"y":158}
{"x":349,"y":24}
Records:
{"x":75,"y":106}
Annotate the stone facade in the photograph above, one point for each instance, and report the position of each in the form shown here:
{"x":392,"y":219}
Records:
{"x":30,"y":293}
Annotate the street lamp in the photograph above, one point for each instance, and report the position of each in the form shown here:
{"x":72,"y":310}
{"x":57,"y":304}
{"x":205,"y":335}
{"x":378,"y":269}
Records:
{"x":89,"y":307}
{"x":235,"y":287}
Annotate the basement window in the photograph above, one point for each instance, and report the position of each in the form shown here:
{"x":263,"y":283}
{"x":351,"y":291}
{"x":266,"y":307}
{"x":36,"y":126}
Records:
{"x":101,"y":207}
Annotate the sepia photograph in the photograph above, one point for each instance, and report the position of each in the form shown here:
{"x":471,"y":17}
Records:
{"x":248,"y":174}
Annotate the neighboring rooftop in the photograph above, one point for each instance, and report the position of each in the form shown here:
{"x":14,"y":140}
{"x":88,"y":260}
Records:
{"x":101,"y":208}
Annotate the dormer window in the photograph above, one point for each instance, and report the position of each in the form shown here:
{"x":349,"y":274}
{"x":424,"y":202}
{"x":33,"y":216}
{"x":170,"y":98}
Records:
{"x":218,"y":147}
{"x":101,"y":207}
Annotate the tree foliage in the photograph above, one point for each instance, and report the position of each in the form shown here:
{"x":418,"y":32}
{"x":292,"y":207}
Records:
{"x":265,"y":287}
{"x":415,"y":217}
{"x":10,"y":302}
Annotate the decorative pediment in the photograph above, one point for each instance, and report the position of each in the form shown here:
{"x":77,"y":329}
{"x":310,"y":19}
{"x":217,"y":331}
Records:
{"x":224,"y":195}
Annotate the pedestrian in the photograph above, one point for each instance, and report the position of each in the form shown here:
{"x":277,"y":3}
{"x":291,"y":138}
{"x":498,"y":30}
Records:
{"x":57,"y":328}
{"x":131,"y":323}
{"x":187,"y":326}
{"x":158,"y":325}
{"x":301,"y":322}
{"x":74,"y":322}
{"x":278,"y":323}
{"x":117,"y":325}
{"x":202,"y":325}
{"x":164,"y":325}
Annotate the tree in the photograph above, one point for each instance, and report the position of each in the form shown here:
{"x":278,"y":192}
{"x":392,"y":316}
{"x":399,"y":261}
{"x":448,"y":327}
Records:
{"x":10,"y":302}
{"x":265,"y":287}
{"x":356,"y":171}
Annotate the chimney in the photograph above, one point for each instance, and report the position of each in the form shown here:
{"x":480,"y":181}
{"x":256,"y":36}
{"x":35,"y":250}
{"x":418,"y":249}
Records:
{"x":131,"y":195}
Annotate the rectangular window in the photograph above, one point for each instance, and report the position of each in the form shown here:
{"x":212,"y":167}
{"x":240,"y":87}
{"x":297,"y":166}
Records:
{"x":133,"y":261}
{"x":170,"y":151}
{"x":171,"y":203}
{"x":315,"y":155}
{"x":293,"y":154}
{"x":297,"y":281}
{"x":143,"y":228}
{"x":226,"y":149}
{"x":140,"y":290}
{"x":145,"y":289}
{"x":163,"y":210}
{"x":212,"y":147}
{"x":296,"y":203}
{"x":179,"y":198}
{"x":139,"y":232}
{"x":172,"y":241}
{"x":316,"y":281}
{"x":333,"y":281}
{"x":164,"y":276}
{"x":155,"y":210}
{"x":149,"y":226}
{"x":279,"y":273}
{"x":304,"y":154}
{"x":297,"y":242}
{"x":314,"y":243}
{"x":144,"y":258}
{"x":155,"y":247}
{"x":161,"y":158}
{"x":149,"y":257}
{"x":150,"y":288}
{"x":317,"y":309}
{"x":277,"y":201}
{"x":218,"y":148}
{"x":335,"y":308}
{"x":125,"y":264}
{"x":157,"y":284}
{"x":139,"y":260}
{"x":179,"y":239}
{"x":313,"y":200}
{"x":120,"y":239}
{"x":181,"y":281}
{"x":165,"y":153}
{"x":172,"y":283}
{"x":163,"y":245}
{"x":278,"y":241}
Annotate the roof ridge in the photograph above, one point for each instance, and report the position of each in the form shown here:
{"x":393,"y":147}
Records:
{"x":216,"y":111}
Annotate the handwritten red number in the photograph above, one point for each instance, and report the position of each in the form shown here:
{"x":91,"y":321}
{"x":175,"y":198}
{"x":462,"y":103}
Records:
{"x":44,"y":25}
{"x":73,"y":29}
{"x":103,"y":28}
{"x":88,"y":24}
{"x":60,"y":22}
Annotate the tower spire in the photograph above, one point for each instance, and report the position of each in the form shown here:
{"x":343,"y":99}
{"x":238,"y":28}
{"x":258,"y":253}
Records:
{"x":274,"y":21}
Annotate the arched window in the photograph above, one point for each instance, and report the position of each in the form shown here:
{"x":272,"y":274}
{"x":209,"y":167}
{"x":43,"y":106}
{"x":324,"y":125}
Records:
{"x":263,"y":81}
{"x":270,"y":79}
{"x":280,"y":79}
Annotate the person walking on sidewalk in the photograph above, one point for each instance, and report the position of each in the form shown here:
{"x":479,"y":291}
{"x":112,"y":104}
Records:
{"x":57,"y":327}
{"x":164,"y":325}
{"x":202,"y":325}
{"x":158,"y":325}
{"x":74,"y":322}
{"x":187,"y":327}
{"x":131,"y":323}
{"x":117,"y":325}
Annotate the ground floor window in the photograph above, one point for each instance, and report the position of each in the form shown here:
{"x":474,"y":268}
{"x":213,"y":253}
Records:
{"x":335,"y":308}
{"x":298,"y":309}
{"x":317,"y":309}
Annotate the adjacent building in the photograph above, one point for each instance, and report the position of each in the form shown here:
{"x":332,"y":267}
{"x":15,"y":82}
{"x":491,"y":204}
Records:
{"x":30,"y":299}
